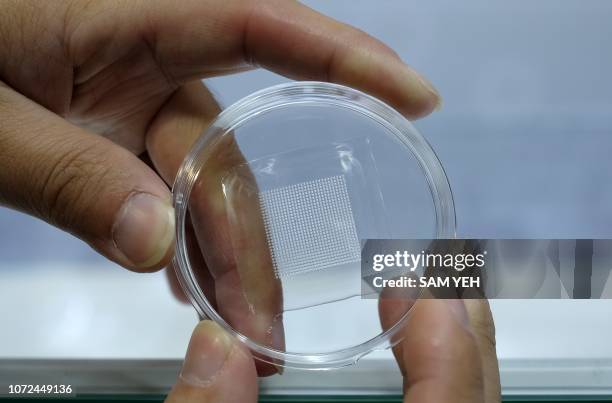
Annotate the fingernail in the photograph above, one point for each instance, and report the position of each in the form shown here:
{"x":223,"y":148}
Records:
{"x":207,"y":353}
{"x":144,"y":229}
{"x":457,"y":308}
{"x":279,"y":369}
{"x":418,"y":88}
{"x":276,"y":332}
{"x":430,"y":88}
{"x":278,"y":341}
{"x":440,"y":104}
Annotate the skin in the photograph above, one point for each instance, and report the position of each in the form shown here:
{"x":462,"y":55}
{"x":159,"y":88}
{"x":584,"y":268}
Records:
{"x":447,"y":355}
{"x":101,"y":100}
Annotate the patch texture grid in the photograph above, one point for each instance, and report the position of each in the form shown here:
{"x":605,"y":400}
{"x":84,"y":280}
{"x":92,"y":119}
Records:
{"x":310,"y":226}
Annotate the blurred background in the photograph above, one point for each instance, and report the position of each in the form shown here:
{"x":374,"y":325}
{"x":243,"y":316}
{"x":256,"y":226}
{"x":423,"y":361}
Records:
{"x":525,"y":135}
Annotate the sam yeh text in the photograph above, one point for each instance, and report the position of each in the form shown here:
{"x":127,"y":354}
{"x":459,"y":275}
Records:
{"x":427,"y":282}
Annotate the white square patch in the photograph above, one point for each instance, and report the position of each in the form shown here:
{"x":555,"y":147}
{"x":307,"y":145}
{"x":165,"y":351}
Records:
{"x":310,"y":226}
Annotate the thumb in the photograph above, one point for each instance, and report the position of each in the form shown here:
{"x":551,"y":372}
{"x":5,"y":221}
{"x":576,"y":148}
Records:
{"x":217,"y":369}
{"x":84,"y":184}
{"x":439,"y":355}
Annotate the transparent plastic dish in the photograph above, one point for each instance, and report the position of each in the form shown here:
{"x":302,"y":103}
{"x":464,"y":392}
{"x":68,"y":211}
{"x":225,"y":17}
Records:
{"x":273,"y":204}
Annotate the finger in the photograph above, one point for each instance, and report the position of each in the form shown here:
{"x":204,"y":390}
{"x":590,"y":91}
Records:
{"x":228,"y":222}
{"x":200,"y":268}
{"x":481,"y":321}
{"x":200,"y":39}
{"x":177,"y":125}
{"x":393,"y":305}
{"x":84,"y":184}
{"x":439,"y":356}
{"x":175,"y":287}
{"x":217,"y":369}
{"x":226,"y":217}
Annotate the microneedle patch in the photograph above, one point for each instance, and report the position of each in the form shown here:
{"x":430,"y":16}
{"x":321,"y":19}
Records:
{"x":310,"y":226}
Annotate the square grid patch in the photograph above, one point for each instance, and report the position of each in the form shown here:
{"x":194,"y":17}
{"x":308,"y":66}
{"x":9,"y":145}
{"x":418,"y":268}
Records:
{"x":310,"y":226}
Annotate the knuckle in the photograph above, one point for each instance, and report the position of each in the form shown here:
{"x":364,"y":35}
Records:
{"x":366,"y":41}
{"x":75,"y":16}
{"x":484,"y":326}
{"x":70,"y":185}
{"x":487,"y":333}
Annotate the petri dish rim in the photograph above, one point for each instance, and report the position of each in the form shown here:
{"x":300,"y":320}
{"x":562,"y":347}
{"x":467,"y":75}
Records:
{"x":286,"y":95}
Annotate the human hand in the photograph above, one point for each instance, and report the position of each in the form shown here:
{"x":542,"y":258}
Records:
{"x":88,"y":87}
{"x":448,"y":350}
{"x":447,"y":355}
{"x":217,"y":368}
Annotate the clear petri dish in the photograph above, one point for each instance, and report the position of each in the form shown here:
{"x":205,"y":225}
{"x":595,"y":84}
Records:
{"x":273,"y":205}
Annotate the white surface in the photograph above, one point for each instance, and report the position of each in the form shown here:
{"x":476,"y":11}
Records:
{"x":67,"y":311}
{"x":73,"y":311}
{"x":79,"y":311}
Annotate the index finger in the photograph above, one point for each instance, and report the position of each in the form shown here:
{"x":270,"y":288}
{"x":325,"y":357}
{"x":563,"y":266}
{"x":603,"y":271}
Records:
{"x":202,"y":38}
{"x":230,"y":251}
